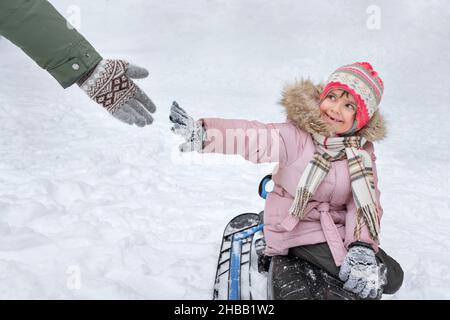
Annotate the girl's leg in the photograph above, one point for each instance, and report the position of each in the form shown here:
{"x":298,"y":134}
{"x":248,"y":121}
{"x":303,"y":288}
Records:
{"x":286,"y":279}
{"x":320,"y":255}
{"x":294,"y":278}
{"x":394,"y":274}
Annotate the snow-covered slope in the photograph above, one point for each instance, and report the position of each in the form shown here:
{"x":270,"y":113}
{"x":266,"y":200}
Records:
{"x":84,"y":195}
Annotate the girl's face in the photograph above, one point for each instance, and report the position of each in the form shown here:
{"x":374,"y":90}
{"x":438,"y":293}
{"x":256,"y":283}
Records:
{"x":339,"y":109}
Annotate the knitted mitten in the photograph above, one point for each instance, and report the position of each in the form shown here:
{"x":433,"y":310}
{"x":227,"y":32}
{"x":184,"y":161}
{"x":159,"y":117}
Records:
{"x":192,"y":131}
{"x":109,"y":84}
{"x":361,"y":273}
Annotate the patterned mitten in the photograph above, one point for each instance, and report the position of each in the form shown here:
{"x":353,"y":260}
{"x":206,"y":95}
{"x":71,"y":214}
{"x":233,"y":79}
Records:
{"x":192,"y":131}
{"x":361,"y":273}
{"x":110,"y":85}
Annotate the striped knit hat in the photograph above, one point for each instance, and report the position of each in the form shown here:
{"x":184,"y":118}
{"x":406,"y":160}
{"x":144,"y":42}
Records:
{"x":363,"y":83}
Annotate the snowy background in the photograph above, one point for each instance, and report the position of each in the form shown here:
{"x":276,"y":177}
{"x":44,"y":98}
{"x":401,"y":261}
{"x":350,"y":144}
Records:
{"x":82,"y":194}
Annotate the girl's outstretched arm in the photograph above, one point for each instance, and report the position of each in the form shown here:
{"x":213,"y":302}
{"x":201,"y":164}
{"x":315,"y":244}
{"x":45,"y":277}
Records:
{"x":253,"y":140}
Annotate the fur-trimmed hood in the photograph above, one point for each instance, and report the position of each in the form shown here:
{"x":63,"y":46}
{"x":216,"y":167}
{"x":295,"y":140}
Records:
{"x":301,"y":102}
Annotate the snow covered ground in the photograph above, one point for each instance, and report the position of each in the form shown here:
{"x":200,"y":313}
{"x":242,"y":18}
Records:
{"x":92,"y":208}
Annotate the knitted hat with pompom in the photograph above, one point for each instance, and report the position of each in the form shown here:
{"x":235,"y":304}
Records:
{"x":363,"y":83}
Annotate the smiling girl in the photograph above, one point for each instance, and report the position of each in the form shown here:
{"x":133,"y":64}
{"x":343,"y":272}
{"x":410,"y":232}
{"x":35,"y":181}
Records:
{"x":325,"y":205}
{"x":339,"y":109}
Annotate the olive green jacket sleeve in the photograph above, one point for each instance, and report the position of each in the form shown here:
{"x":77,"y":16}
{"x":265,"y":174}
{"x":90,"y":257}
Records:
{"x":44,"y":35}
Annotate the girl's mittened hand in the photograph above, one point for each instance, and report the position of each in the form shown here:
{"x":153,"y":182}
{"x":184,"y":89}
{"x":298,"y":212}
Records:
{"x":361,"y":273}
{"x":184,"y":125}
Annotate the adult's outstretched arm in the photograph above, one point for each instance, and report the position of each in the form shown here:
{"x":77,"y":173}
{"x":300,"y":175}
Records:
{"x":44,"y":35}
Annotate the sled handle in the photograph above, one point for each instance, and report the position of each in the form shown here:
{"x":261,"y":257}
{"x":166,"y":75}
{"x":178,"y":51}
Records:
{"x":262,"y":186}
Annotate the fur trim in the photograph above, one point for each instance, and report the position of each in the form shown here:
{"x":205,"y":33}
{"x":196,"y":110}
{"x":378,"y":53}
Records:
{"x":301,"y":103}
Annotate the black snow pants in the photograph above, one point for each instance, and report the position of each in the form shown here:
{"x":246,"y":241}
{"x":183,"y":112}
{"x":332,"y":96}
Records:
{"x":309,"y":272}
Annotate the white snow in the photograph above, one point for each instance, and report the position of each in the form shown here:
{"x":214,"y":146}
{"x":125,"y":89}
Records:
{"x":91,"y":208}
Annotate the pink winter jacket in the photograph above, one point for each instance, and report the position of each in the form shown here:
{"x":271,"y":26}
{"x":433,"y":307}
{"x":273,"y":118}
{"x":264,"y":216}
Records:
{"x":331,"y":214}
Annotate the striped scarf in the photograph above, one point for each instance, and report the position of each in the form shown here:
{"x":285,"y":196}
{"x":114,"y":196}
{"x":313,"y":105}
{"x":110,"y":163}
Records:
{"x":330,"y":149}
